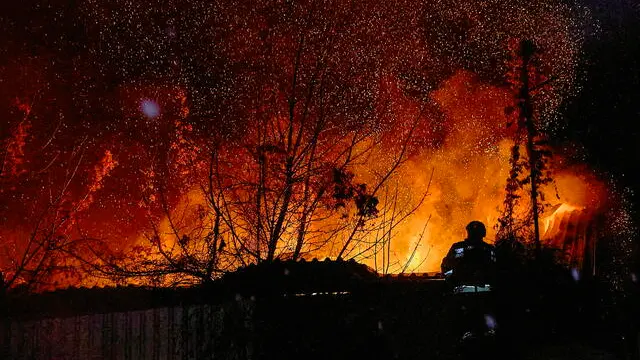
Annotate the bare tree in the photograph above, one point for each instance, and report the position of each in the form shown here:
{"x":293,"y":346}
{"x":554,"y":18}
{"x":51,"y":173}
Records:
{"x":44,"y":251}
{"x":287,"y":186}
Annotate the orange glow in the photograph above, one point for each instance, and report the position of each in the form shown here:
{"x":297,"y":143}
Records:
{"x":13,"y":161}
{"x":273,"y":135}
{"x":106,"y":164}
{"x":470,"y":169}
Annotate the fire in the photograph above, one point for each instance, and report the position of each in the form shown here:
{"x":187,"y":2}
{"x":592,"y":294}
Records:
{"x":228,"y":137}
{"x":455,"y":172}
{"x":106,"y":164}
{"x":13,"y":161}
{"x":437,"y":191}
{"x":551,"y":221}
{"x":452,"y":203}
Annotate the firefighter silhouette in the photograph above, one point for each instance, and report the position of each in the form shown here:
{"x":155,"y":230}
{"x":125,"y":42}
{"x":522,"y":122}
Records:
{"x":471,"y":262}
{"x":469,"y":268}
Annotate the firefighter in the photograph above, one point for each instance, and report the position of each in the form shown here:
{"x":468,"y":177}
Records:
{"x":471,"y":262}
{"x":469,"y":268}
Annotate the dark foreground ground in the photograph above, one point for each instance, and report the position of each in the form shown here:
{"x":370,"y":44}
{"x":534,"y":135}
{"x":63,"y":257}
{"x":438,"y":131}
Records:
{"x":421,"y":319}
{"x":417,"y":326}
{"x":325,"y":310}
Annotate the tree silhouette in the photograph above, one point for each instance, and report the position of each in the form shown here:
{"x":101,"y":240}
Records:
{"x":46,"y":253}
{"x":531,"y":171}
{"x":285,"y":180}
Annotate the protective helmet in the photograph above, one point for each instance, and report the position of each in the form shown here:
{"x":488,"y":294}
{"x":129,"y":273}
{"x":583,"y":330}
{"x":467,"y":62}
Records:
{"x":476,"y":229}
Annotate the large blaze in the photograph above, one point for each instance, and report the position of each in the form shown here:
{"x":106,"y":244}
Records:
{"x":202,"y":139}
{"x":466,"y":178}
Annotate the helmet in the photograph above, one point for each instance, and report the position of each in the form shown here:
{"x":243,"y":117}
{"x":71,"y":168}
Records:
{"x":476,"y":229}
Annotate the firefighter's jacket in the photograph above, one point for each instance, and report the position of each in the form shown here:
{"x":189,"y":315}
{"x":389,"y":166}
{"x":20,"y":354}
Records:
{"x":470,"y":263}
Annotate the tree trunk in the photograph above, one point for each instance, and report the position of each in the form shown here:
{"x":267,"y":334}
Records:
{"x":527,"y":49}
{"x":277,"y":230}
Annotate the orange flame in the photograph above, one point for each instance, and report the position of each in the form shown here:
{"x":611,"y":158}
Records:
{"x":470,"y":168}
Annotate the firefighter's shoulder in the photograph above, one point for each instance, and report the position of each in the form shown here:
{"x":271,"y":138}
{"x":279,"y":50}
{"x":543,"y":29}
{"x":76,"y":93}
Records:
{"x":459,"y":244}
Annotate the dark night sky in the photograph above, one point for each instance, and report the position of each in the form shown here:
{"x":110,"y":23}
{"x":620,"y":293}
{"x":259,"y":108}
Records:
{"x":605,"y":116}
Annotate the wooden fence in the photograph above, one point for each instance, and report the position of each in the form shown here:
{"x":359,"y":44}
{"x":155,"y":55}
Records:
{"x":205,"y":331}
